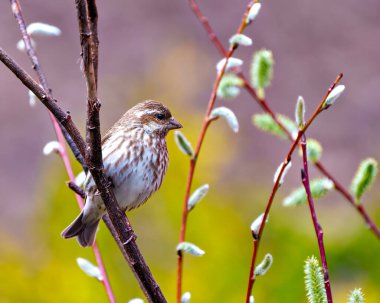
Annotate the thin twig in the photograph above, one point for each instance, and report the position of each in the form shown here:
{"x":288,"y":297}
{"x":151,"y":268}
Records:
{"x":340,"y":188}
{"x":264,"y":105}
{"x":61,"y":134}
{"x":256,"y":242}
{"x":206,"y":123}
{"x":76,"y":189}
{"x":317,"y":226}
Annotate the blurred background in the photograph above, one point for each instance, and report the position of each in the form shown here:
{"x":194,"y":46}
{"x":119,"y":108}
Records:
{"x":158,"y":50}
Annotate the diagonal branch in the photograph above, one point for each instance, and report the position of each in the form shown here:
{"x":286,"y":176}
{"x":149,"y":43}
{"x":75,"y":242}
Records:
{"x":62,"y":117}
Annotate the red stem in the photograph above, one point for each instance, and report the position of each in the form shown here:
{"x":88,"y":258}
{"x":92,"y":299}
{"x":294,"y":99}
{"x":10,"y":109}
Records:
{"x":359,"y":207}
{"x":206,"y":25}
{"x":256,"y":242}
{"x":317,"y":226}
{"x":206,"y":123}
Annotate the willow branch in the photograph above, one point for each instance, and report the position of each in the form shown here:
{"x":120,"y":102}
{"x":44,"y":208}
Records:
{"x":257,"y":239}
{"x":317,"y":226}
{"x":206,"y":123}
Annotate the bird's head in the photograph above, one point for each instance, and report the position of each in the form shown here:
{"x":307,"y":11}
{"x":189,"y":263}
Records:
{"x":154,"y":117}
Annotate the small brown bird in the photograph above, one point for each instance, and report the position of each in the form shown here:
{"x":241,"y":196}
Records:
{"x":135,"y":159}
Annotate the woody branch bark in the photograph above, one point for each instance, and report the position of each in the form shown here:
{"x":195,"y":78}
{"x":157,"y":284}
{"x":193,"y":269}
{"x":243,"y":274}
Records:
{"x":87,"y":19}
{"x":266,"y":108}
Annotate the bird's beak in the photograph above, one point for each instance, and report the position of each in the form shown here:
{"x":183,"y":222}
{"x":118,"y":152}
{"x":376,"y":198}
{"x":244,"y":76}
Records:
{"x":174,"y":124}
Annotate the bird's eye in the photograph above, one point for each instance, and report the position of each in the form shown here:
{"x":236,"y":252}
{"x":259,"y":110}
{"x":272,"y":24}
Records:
{"x":160,"y":116}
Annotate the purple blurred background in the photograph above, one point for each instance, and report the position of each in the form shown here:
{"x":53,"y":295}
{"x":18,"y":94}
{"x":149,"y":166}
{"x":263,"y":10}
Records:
{"x":157,"y":49}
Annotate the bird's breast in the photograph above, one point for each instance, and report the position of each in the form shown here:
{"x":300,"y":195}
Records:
{"x":137,"y":167}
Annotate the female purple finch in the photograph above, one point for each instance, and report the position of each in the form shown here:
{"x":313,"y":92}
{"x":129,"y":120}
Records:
{"x":135,"y":159}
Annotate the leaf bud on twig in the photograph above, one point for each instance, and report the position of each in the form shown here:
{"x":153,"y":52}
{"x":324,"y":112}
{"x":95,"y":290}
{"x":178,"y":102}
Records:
{"x":356,"y":296}
{"x":314,"y":282}
{"x":228,"y":115}
{"x":42,"y":29}
{"x":52,"y":146}
{"x":318,"y":187}
{"x":333,"y":96}
{"x":262,"y":70}
{"x":255,"y":226}
{"x":240,"y":39}
{"x":263,"y":267}
{"x":190,"y":248}
{"x":229,"y":86}
{"x":90,"y":269}
{"x":231,"y":63}
{"x":286,"y":169}
{"x":197,"y":196}
{"x":300,"y":112}
{"x":186,"y":297}
{"x":183,"y":144}
{"x":253,"y":12}
{"x":364,"y":177}
{"x":21,"y":45}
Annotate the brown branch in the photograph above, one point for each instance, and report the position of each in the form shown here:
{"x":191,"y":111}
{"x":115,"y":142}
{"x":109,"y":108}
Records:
{"x":94,"y":161}
{"x":76,"y":189}
{"x":317,"y":226}
{"x":62,"y":117}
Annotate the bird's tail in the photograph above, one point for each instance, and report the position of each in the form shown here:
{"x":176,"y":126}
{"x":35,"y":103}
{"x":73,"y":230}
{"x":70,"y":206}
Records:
{"x":84,"y":231}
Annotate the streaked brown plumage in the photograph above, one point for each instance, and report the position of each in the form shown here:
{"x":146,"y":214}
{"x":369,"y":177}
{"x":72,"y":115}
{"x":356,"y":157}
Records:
{"x":135,"y":158}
